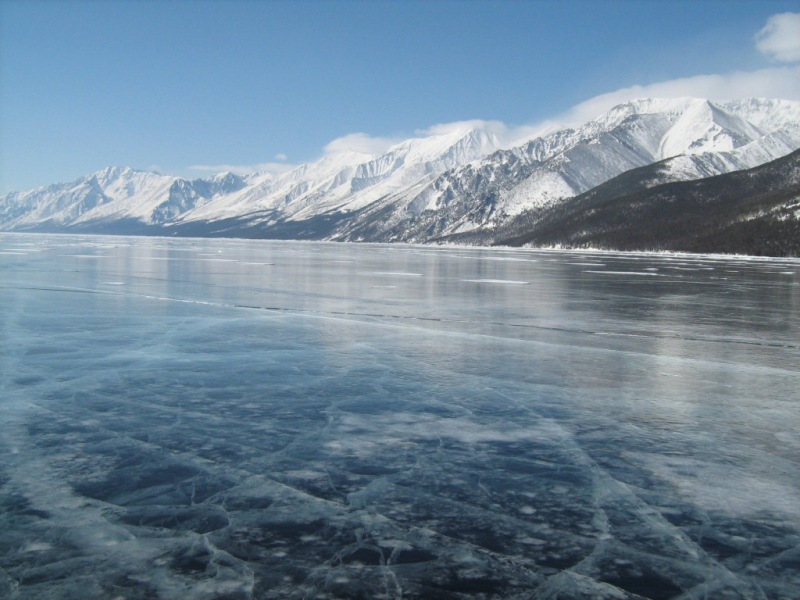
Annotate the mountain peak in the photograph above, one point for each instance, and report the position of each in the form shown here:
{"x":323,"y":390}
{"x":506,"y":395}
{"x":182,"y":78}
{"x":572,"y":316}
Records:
{"x":454,"y":144}
{"x":113,"y":172}
{"x":706,"y":127}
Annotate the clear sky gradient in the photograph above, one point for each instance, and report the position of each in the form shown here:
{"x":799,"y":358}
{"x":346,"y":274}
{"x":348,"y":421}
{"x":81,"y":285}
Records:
{"x":190,"y":87}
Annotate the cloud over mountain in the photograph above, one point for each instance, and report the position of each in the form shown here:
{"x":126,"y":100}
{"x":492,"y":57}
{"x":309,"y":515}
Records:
{"x":362,"y":143}
{"x":267,"y":167}
{"x":780,"y":37}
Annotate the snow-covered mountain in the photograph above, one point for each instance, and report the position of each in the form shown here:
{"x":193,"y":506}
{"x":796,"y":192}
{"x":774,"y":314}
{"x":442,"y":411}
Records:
{"x":702,"y":137}
{"x":340,"y":182}
{"x":112,"y":194}
{"x":455,"y":181}
{"x":347,"y":182}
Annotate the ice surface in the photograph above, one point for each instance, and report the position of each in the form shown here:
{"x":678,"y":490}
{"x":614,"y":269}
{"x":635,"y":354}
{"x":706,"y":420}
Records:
{"x":299,"y":420}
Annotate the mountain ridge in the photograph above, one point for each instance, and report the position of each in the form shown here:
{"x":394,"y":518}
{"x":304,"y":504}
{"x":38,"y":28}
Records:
{"x":450,"y":182}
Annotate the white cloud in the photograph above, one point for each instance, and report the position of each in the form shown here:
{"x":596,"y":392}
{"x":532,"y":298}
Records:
{"x":362,"y":143}
{"x":519,"y":134}
{"x":496,"y":127}
{"x":268,"y":167}
{"x":777,"y":82}
{"x":780,"y":37}
{"x":507,"y":134}
{"x":281,"y":156}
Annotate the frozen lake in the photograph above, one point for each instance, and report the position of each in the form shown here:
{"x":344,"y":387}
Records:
{"x":209,"y":419}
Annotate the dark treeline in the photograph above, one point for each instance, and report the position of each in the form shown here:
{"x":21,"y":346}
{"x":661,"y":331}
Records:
{"x":746,"y":212}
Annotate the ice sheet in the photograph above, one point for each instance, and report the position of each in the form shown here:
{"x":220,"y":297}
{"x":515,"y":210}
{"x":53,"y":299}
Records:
{"x":302,"y":420}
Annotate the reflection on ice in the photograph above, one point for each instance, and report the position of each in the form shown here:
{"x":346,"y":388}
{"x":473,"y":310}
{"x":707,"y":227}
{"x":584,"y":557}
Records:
{"x":179,"y":427}
{"x":626,"y":273}
{"x":501,"y":281}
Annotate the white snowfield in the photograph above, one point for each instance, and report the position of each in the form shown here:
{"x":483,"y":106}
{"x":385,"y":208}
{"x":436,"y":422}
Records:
{"x":464,"y":177}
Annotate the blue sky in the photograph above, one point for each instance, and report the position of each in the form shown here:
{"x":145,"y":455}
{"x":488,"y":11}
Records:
{"x":194,"y":87}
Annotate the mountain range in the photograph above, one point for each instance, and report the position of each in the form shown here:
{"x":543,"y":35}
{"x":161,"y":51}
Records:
{"x":462,"y":185}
